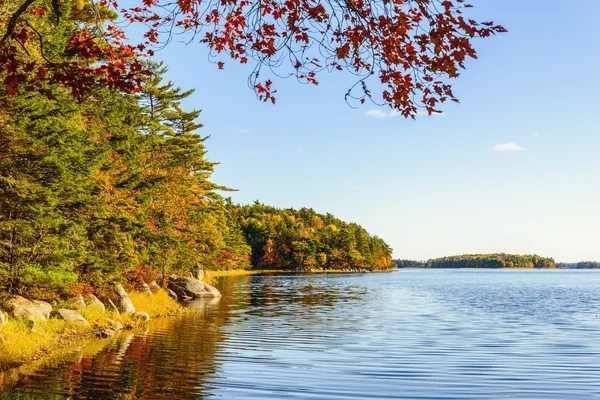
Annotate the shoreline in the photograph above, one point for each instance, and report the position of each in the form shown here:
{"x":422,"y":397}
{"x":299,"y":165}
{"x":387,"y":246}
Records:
{"x":57,"y":335}
{"x":22,"y":346}
{"x":245,"y":272}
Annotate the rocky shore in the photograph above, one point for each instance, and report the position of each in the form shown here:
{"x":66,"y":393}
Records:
{"x":31,"y":329}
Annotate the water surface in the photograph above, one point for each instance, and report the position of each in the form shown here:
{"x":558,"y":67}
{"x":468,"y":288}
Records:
{"x":415,"y":334}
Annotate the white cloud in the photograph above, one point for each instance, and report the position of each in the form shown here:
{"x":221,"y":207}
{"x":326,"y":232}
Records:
{"x":244,"y":130}
{"x":377,"y":113}
{"x":507,"y":147}
{"x":300,"y":149}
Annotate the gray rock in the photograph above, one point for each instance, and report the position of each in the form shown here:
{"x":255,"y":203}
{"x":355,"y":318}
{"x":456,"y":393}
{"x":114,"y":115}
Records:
{"x":35,"y":328}
{"x":21,"y":308}
{"x":124,"y":300}
{"x":107,"y":333}
{"x":116,"y":325}
{"x":192,"y":288}
{"x":78,"y":302}
{"x":71,"y":315}
{"x":2,"y":319}
{"x":115,"y":308}
{"x":143,"y":316}
{"x":199,"y":272}
{"x":93,"y":301}
{"x":172,"y":294}
{"x":147,"y":289}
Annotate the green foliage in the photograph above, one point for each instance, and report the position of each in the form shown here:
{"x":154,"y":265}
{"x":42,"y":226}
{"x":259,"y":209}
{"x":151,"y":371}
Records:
{"x":90,"y":191}
{"x":305,"y":240}
{"x":587,"y":265}
{"x":409,"y":264}
{"x":498,"y":260}
{"x":118,"y":187}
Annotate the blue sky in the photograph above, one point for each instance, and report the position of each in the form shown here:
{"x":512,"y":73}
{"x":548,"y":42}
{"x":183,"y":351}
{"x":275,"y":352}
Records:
{"x":438,"y":185}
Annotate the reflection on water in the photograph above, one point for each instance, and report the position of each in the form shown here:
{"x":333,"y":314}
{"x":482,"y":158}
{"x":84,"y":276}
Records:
{"x":411,"y":334}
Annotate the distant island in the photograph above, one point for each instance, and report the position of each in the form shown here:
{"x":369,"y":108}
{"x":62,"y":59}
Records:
{"x":494,"y":261}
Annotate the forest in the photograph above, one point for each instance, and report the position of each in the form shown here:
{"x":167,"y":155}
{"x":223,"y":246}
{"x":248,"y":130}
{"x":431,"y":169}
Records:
{"x":409,"y":264}
{"x":117,"y":186}
{"x":305,"y":240}
{"x":497,"y":260}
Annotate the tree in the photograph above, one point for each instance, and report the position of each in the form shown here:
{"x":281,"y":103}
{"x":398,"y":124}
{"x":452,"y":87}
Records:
{"x":413,"y":47}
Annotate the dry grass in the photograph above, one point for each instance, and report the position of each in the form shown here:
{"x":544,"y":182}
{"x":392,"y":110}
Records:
{"x":159,"y":305}
{"x":21,"y":345}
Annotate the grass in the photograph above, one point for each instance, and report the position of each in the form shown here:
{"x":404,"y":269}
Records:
{"x":20,"y":345}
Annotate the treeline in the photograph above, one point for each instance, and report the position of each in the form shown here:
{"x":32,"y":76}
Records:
{"x":580,"y":265}
{"x":306,"y":240}
{"x":409,"y":264}
{"x":498,"y":260}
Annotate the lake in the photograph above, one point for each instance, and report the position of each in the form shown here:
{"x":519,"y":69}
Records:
{"x":414,"y":334}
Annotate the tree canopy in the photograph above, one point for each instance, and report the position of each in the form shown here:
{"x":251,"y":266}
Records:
{"x":402,"y":53}
{"x":496,"y":260}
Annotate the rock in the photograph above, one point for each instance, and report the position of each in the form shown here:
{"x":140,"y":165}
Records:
{"x":192,"y":288}
{"x":147,"y":289}
{"x":35,"y":328}
{"x":114,"y":307}
{"x":107,"y":333}
{"x":154,"y":286}
{"x":71,"y":315}
{"x":199,"y":272}
{"x":93,"y":301}
{"x":124,"y":300}
{"x":78,"y":302}
{"x":116,"y":325}
{"x":21,"y":308}
{"x":172,"y":294}
{"x":2,"y":319}
{"x":141,"y":316}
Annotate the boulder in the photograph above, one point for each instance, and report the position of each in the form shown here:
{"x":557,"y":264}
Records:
{"x":142,"y":316}
{"x":147,"y":289}
{"x":192,"y":288}
{"x":2,"y":319}
{"x":93,"y":301}
{"x":172,"y":294}
{"x":124,"y":300}
{"x":21,"y":308}
{"x":106,"y":333}
{"x":35,"y":328}
{"x":78,"y":302}
{"x":199,"y":272}
{"x":71,"y":315}
{"x":116,"y":325}
{"x":113,"y":306}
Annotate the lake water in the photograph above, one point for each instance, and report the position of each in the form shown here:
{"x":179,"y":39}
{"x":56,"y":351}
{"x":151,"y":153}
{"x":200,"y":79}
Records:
{"x":415,"y":334}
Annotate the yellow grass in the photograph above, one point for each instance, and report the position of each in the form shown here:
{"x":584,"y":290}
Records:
{"x":159,"y":305}
{"x":19,"y":345}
